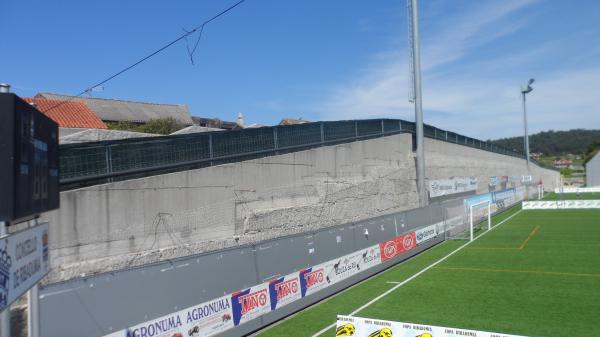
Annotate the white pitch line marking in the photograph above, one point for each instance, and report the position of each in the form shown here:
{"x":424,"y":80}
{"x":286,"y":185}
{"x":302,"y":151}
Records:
{"x":366,"y":305}
{"x":392,"y":282}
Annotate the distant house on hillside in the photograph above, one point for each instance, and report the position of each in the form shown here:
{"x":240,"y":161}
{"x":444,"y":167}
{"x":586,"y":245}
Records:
{"x":563,"y":163}
{"x":536,"y":155}
{"x":114,"y":110}
{"x":71,"y":116}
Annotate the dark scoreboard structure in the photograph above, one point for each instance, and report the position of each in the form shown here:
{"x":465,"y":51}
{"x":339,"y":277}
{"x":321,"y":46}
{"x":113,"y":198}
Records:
{"x":28,"y":161}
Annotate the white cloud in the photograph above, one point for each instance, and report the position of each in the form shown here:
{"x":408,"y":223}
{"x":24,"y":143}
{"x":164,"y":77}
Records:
{"x":472,"y":102}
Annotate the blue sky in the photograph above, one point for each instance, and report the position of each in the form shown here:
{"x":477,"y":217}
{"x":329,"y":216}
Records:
{"x":320,"y":59}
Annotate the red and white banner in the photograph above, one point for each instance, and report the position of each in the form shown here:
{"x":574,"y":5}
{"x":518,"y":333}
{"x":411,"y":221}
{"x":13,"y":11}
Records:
{"x":250,"y":303}
{"x":366,"y":327}
{"x":398,"y":245}
{"x":284,"y":290}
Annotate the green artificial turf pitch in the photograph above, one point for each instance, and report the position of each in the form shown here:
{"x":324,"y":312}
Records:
{"x":537,"y":274}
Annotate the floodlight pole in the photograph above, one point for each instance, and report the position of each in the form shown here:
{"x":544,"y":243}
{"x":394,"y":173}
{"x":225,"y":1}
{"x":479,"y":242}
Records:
{"x":526,"y":136}
{"x":418,"y":104}
{"x":524,"y":91}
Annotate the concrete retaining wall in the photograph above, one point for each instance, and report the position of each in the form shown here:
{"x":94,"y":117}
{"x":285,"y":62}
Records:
{"x":121,"y":224}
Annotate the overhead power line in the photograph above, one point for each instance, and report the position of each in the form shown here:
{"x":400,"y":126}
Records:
{"x":199,"y":28}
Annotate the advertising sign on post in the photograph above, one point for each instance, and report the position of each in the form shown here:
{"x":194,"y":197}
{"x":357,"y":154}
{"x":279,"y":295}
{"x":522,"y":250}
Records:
{"x":24,"y":261}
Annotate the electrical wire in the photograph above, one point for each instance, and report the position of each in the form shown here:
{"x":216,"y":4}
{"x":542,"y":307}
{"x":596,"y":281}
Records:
{"x":199,"y":28}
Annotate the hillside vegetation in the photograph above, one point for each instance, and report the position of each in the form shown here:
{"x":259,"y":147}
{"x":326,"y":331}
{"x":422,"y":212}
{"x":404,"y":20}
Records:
{"x":555,"y":143}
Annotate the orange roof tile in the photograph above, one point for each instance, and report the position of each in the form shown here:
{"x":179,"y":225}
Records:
{"x":68,"y":114}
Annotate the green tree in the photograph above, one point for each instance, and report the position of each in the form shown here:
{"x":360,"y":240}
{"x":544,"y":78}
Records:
{"x":554,"y":143}
{"x":122,"y":125}
{"x":566,"y":172}
{"x":591,"y":151}
{"x":162,"y":126}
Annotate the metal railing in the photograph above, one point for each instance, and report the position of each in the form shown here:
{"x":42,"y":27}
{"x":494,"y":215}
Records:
{"x":97,"y":162}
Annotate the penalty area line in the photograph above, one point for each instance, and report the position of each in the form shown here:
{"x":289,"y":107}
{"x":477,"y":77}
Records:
{"x":384,"y":294}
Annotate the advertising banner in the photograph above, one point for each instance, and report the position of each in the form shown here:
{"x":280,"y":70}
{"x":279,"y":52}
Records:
{"x":441,"y":187}
{"x":284,"y":290}
{"x":504,"y":198}
{"x":494,"y":181}
{"x":351,"y":264}
{"x":250,"y":303}
{"x":398,"y":245}
{"x":526,"y":179}
{"x":224,"y":313}
{"x":426,"y":233}
{"x":203,"y":320}
{"x":365,"y":327}
{"x":577,"y":190}
{"x":562,"y":204}
{"x":312,"y":279}
{"x":24,"y":261}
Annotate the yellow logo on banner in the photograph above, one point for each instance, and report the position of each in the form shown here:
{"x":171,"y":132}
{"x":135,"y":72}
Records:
{"x":345,"y":330}
{"x":425,"y":334}
{"x":385,"y":332}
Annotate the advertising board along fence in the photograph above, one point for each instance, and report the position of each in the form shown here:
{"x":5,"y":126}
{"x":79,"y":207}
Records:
{"x":227,"y":312}
{"x":235,"y":291}
{"x":562,"y":204}
{"x":366,"y":327}
{"x":577,"y":190}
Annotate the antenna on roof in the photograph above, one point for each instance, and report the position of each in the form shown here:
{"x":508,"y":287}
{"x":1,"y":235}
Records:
{"x":99,"y":88}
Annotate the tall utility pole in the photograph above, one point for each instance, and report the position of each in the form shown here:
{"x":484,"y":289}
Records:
{"x":413,"y":18}
{"x":524,"y":91}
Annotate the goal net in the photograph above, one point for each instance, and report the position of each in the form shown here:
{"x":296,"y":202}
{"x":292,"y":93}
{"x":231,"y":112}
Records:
{"x":476,"y":218}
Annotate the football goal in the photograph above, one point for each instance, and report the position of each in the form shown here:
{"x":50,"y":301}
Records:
{"x":478,"y":214}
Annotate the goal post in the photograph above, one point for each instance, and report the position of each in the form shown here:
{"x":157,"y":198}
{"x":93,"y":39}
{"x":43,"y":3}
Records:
{"x":486,"y":205}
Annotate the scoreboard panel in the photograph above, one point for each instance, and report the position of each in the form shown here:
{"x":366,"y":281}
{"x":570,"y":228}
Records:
{"x":29,"y":169}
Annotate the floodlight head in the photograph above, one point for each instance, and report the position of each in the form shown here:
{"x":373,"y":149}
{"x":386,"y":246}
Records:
{"x":527,"y":88}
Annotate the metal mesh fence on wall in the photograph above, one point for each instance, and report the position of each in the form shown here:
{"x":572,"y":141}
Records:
{"x":98,"y":162}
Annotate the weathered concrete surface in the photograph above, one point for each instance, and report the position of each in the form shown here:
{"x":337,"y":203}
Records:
{"x":121,"y":224}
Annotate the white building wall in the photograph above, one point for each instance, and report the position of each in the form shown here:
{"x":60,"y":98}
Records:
{"x":592,"y":171}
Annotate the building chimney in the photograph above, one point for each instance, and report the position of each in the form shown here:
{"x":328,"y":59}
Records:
{"x":240,"y":120}
{"x":4,"y":88}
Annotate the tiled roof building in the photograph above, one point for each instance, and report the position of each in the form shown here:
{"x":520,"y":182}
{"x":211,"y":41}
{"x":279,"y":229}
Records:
{"x":115,"y":110}
{"x":68,"y":114}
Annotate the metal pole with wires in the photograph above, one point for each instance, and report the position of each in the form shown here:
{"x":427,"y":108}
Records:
{"x":413,"y":19}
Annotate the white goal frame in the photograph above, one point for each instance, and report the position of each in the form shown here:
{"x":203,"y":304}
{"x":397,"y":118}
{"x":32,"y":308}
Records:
{"x":489,"y":216}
